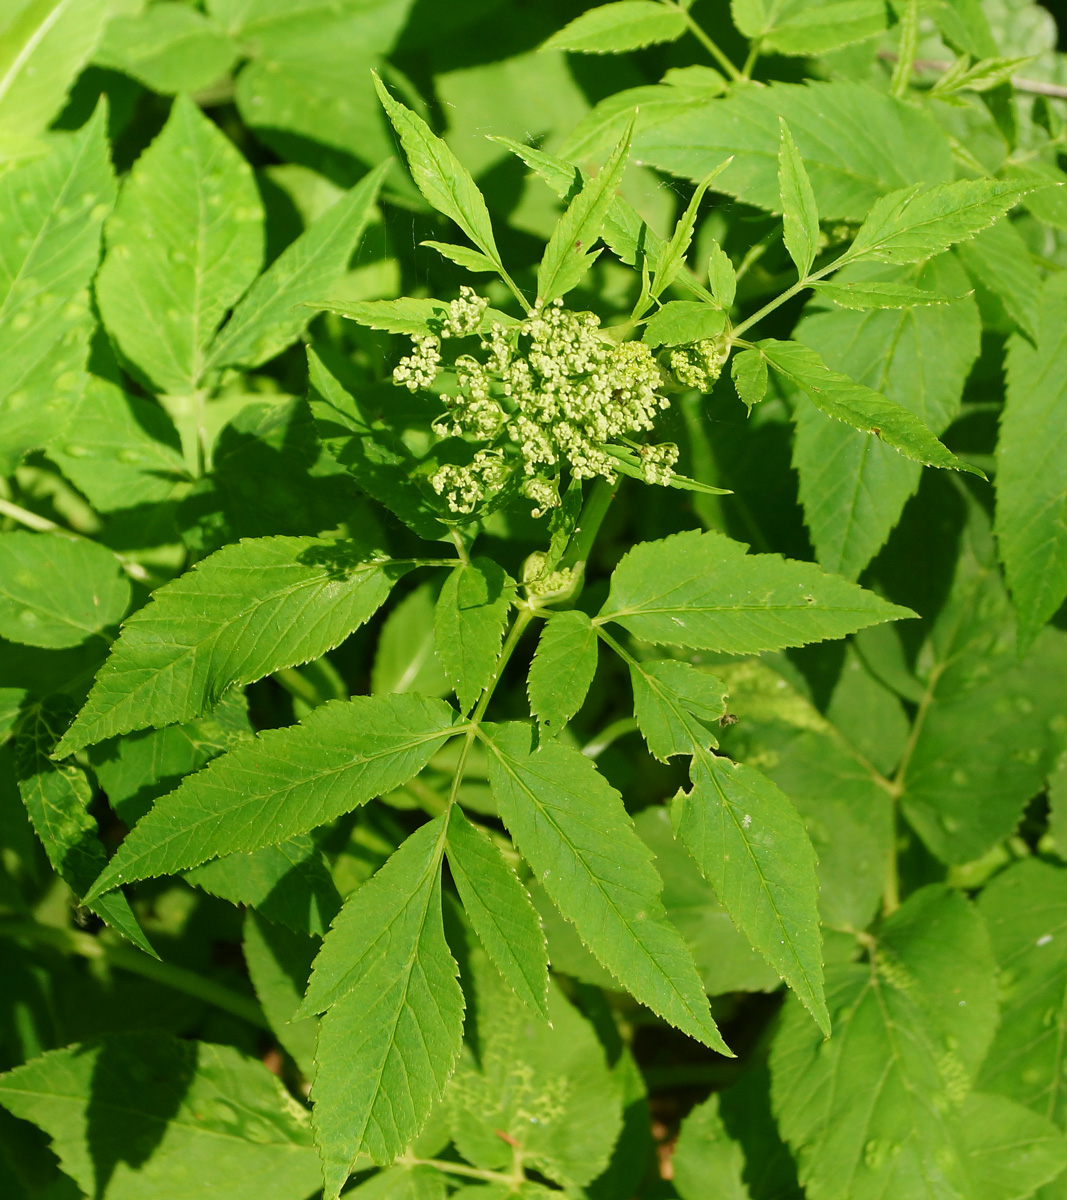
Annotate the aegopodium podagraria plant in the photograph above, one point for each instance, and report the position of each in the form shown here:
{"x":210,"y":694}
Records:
{"x":450,"y":701}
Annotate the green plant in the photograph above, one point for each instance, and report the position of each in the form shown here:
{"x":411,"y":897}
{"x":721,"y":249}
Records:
{"x":451,"y":681}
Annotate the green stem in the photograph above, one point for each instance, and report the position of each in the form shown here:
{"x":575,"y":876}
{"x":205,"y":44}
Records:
{"x":590,"y":519}
{"x":452,"y":1168}
{"x":128,"y":958}
{"x":751,"y":60}
{"x":610,"y":733}
{"x":706,"y":42}
{"x":788,"y":294}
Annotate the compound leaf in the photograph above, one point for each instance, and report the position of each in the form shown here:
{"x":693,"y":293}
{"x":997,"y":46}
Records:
{"x":271,"y":314}
{"x":285,"y":782}
{"x":445,"y":182}
{"x":394,"y":1011}
{"x":245,"y":611}
{"x":500,"y":910}
{"x":572,"y":829}
{"x":58,"y":591}
{"x":562,"y":669}
{"x":703,"y":591}
{"x":184,"y":242}
{"x":569,"y":252}
{"x":469,"y":621}
{"x":852,"y":485}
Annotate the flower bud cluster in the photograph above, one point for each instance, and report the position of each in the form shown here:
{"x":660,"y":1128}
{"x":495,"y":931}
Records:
{"x":548,"y":392}
{"x":699,"y":365}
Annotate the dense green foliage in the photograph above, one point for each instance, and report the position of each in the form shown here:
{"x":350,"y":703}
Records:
{"x":491,"y":703}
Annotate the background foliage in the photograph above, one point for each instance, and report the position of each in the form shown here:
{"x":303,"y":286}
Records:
{"x":703,"y":771}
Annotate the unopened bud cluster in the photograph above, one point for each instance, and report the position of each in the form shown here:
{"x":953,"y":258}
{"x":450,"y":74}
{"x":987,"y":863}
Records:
{"x":547,"y":392}
{"x":699,"y":365}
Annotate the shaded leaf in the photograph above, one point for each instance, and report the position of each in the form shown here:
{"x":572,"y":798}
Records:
{"x":58,"y":591}
{"x":145,"y":1116}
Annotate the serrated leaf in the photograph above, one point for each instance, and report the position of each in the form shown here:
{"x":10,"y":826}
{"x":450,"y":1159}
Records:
{"x":680,"y":322}
{"x":445,"y":182}
{"x":469,"y":621}
{"x":572,"y":829}
{"x":250,"y":609}
{"x":673,"y":703}
{"x":289,"y":883}
{"x":170,"y":48}
{"x":750,"y":844}
{"x":724,"y":957}
{"x":880,"y":294}
{"x":800,"y":217}
{"x":569,"y":252}
{"x":463,"y":256}
{"x":58,"y":591}
{"x":57,"y":798}
{"x":841,"y":131}
{"x":1031,"y":478}
{"x":406,"y":315}
{"x":184,"y":242}
{"x":269,"y":316}
{"x":285,"y":782}
{"x":861,"y":407}
{"x":42,"y":50}
{"x":616,"y":28}
{"x":1025,"y":911}
{"x":671,"y":259}
{"x":500,"y":910}
{"x":916,"y":223}
{"x":722,"y":278}
{"x":749,"y":373}
{"x":53,"y":210}
{"x":886,"y":1106}
{"x":703,"y":591}
{"x":394,"y":1011}
{"x":852,"y":486}
{"x":562,"y":669}
{"x":209,"y":1121}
